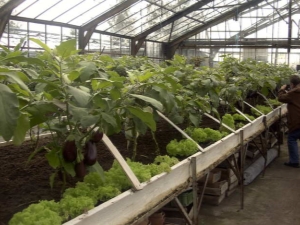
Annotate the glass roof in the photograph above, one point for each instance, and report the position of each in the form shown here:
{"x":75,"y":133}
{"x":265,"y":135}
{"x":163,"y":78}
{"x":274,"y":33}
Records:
{"x":143,"y":16}
{"x":140,"y":15}
{"x":197,"y":18}
{"x":75,"y":12}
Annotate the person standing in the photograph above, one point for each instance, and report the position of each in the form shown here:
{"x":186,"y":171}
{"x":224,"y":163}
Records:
{"x":292,"y":98}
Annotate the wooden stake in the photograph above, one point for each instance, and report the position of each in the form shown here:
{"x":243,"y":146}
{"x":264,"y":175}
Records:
{"x":222,"y":124}
{"x":131,"y":176}
{"x":180,"y":130}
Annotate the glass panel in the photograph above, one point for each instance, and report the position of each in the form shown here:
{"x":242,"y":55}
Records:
{"x":95,"y":11}
{"x":37,"y":8}
{"x":69,"y":33}
{"x":59,"y":9}
{"x":143,"y":15}
{"x":17,"y":31}
{"x":161,"y":34}
{"x":125,"y":46}
{"x":166,"y":10}
{"x":94,"y":43}
{"x":207,"y":13}
{"x":150,"y":20}
{"x":158,"y":50}
{"x":115,"y":45}
{"x":105,"y":44}
{"x":53,"y":36}
{"x":36,"y":31}
{"x":84,"y":12}
{"x":4,"y":38}
{"x":150,"y":49}
{"x":128,"y":20}
{"x":23,"y":6}
{"x":295,"y":58}
{"x":173,"y":5}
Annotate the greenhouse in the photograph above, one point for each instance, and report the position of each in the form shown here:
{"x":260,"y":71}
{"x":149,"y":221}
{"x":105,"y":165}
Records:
{"x":144,"y":112}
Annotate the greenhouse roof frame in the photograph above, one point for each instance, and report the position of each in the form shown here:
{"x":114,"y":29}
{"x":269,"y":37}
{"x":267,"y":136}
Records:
{"x":172,"y":28}
{"x":215,"y":21}
{"x":90,"y":27}
{"x":5,"y":13}
{"x":252,"y":29}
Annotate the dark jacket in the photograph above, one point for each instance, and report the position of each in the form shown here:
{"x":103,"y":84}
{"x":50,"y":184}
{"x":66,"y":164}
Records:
{"x":292,"y":98}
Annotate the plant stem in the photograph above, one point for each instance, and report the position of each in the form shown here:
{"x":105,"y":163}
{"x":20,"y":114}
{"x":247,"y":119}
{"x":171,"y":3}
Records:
{"x":66,"y":96}
{"x":157,"y":149}
{"x":134,"y":133}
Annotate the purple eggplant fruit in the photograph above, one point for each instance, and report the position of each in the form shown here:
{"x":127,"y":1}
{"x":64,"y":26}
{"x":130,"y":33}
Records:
{"x":80,"y":169}
{"x":96,"y":137}
{"x":90,"y":156}
{"x":70,"y":151}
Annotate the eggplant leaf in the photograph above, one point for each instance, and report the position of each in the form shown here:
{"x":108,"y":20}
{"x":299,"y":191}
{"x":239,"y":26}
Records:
{"x":152,"y":101}
{"x":146,"y":117}
{"x":9,"y":112}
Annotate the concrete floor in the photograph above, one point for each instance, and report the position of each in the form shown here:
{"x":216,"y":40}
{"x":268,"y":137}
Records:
{"x":270,"y":200}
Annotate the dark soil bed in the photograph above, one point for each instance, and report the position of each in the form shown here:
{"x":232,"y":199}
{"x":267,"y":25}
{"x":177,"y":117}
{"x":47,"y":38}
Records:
{"x":22,"y":185}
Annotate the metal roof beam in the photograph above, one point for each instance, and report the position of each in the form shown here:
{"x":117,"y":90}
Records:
{"x":215,"y":21}
{"x":110,"y":13}
{"x":9,"y":6}
{"x":3,"y":22}
{"x":86,"y":31}
{"x":5,"y":13}
{"x":45,"y":22}
{"x":242,"y":34}
{"x":171,"y":10}
{"x":173,"y":18}
{"x":262,"y":41}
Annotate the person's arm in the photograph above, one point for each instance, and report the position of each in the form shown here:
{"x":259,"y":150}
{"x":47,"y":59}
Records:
{"x":283,"y":95}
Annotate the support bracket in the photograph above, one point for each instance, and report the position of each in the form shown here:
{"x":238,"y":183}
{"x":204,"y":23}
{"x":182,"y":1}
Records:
{"x":135,"y":47}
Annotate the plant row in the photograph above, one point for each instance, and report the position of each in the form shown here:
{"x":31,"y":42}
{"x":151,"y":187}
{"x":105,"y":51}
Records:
{"x":76,"y":98}
{"x":92,"y":191}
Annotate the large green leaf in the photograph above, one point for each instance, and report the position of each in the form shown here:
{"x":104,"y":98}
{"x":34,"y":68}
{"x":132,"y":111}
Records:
{"x":78,"y":112}
{"x":19,"y":45}
{"x":53,"y":159}
{"x":40,"y":112}
{"x":23,"y":126}
{"x":89,"y":69}
{"x":106,"y":58}
{"x":109,"y":119}
{"x":115,"y":93}
{"x":17,"y":77}
{"x":170,"y":70}
{"x":16,"y":88}
{"x":82,"y":115}
{"x":69,"y":168}
{"x":147,"y":75}
{"x":73,"y":75}
{"x":140,"y":126}
{"x":81,"y":97}
{"x":146,"y":117}
{"x":5,"y":48}
{"x":32,"y":73}
{"x":166,"y":97}
{"x":98,"y":169}
{"x":9,"y":112}
{"x":66,"y":48}
{"x":195,"y":119}
{"x":44,"y":46}
{"x":89,"y":120}
{"x":21,"y":58}
{"x":152,"y":101}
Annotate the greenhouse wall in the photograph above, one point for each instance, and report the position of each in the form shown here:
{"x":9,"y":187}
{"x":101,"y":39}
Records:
{"x":54,"y":35}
